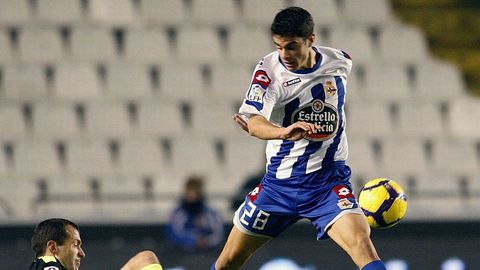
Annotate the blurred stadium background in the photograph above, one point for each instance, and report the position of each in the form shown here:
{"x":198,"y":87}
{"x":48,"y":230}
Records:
{"x":107,"y":105}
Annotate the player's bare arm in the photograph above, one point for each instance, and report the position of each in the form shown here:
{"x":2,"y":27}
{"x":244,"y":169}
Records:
{"x":260,"y":127}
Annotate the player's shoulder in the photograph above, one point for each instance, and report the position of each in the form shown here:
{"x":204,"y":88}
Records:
{"x":333,"y":53}
{"x":46,"y":263}
{"x":268,"y":62}
{"x":334,"y":59}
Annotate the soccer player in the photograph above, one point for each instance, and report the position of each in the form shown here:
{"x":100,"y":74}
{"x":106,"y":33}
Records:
{"x":296,"y":102}
{"x":58,"y":246}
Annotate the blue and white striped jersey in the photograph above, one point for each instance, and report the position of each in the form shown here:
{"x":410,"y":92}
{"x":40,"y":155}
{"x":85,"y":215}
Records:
{"x":315,"y":95}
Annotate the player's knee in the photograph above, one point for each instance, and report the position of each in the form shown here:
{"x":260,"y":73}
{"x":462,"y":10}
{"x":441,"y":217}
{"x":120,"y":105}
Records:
{"x":361,"y":245}
{"x":147,"y":257}
{"x":230,"y":261}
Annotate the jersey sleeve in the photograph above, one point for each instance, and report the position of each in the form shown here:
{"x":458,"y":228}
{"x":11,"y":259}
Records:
{"x":346,"y":59}
{"x":261,"y":96}
{"x":336,"y":62}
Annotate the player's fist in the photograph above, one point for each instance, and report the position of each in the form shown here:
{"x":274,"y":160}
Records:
{"x":298,"y":130}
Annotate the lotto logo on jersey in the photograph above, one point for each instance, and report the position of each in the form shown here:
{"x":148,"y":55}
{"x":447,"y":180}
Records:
{"x":291,"y":82}
{"x":51,"y":268}
{"x":258,"y":88}
{"x":342,"y":191}
{"x":323,"y":114}
{"x":261,"y":78}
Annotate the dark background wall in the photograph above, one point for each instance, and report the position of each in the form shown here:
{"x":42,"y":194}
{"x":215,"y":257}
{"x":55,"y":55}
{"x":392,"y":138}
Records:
{"x":423,"y":245}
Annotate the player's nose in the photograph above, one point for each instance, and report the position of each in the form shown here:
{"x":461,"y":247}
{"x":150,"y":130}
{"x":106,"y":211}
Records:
{"x":285,"y":55}
{"x":81,"y":253}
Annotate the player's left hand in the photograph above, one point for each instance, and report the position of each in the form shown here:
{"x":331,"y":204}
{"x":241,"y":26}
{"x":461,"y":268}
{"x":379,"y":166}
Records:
{"x":240,"y":121}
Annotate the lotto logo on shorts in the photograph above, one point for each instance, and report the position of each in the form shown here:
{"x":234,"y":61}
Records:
{"x":342,"y":191}
{"x":254,"y":193}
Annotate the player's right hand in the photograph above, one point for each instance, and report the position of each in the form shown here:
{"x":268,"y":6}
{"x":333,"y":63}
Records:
{"x":240,"y":121}
{"x":298,"y":131}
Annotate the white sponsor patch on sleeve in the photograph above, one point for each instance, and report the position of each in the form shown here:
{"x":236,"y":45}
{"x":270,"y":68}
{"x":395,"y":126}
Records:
{"x":255,"y":94}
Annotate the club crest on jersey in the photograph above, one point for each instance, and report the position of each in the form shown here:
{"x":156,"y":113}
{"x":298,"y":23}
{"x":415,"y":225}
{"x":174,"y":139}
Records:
{"x":329,"y":88}
{"x":323,"y":114}
{"x":291,"y":82}
{"x":345,"y":204}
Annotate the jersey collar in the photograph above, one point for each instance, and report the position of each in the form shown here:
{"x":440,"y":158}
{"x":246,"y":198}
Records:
{"x":318,"y":62}
{"x":48,"y":259}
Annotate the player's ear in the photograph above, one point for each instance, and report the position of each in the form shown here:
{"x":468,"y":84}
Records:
{"x":52,"y":247}
{"x":311,"y":39}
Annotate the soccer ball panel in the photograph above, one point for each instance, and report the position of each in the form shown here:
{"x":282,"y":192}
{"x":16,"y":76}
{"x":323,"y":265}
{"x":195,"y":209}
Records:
{"x":383,"y":201}
{"x":396,"y":212}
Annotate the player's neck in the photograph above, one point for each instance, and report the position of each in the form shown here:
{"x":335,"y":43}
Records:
{"x":311,"y":59}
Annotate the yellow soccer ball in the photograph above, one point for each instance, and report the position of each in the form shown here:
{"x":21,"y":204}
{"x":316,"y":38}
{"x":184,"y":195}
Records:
{"x":383,"y":201}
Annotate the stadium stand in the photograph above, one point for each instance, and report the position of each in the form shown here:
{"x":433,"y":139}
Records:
{"x":83,"y":37}
{"x":159,"y":119}
{"x":15,"y":13}
{"x":242,"y":50}
{"x":117,"y":13}
{"x":105,"y":106}
{"x":6,"y":52}
{"x":164,"y":13}
{"x":148,"y":46}
{"x":59,"y":12}
{"x":76,"y":82}
{"x":326,"y":12}
{"x":12,"y":121}
{"x":198,"y":45}
{"x":261,"y":15}
{"x":128,"y":82}
{"x":378,"y":13}
{"x":226,"y":87}
{"x":22,"y":82}
{"x":358,"y":46}
{"x":205,"y":12}
{"x":54,"y":121}
{"x":40,"y":45}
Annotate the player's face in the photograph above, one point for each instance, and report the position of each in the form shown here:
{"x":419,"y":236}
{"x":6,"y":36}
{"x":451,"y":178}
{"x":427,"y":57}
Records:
{"x":295,"y":52}
{"x":71,"y":253}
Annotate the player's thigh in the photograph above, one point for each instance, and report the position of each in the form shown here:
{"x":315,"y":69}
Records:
{"x":240,"y":246}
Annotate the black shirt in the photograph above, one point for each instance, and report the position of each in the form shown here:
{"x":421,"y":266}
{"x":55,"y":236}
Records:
{"x":46,"y":263}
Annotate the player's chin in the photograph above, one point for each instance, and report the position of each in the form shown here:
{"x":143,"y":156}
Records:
{"x":291,"y":67}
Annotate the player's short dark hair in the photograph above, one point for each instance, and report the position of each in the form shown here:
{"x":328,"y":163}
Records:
{"x":293,"y":22}
{"x":51,"y":229}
